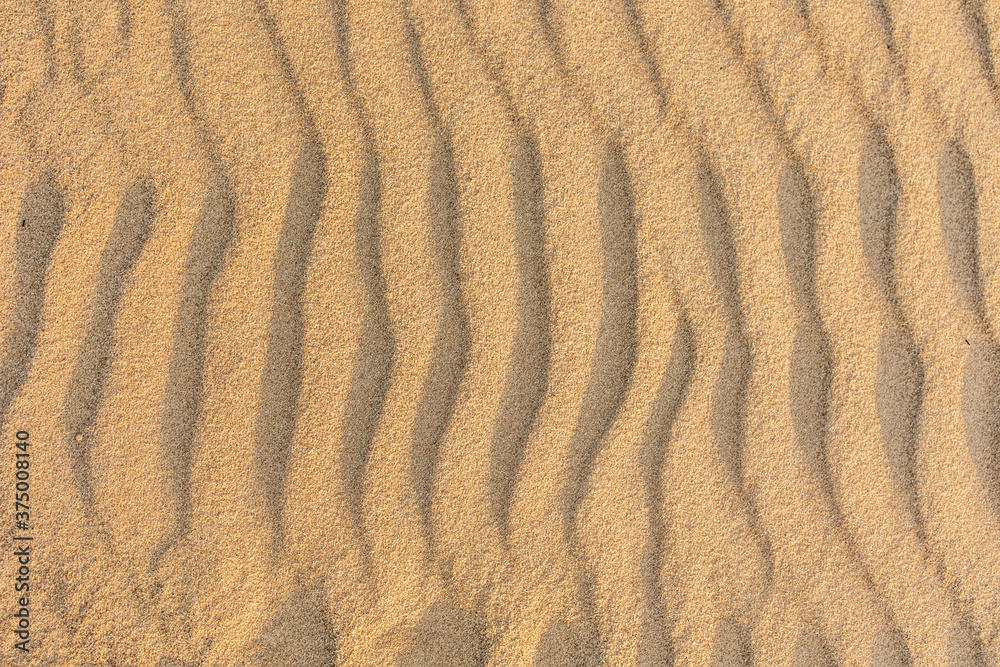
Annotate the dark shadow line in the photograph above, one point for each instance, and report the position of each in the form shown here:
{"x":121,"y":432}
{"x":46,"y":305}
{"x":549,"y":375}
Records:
{"x":489,"y":67}
{"x":727,"y":402}
{"x":452,"y":340}
{"x":646,"y":51}
{"x":980,"y":394}
{"x":43,"y":14}
{"x":900,"y":387}
{"x":981,"y":418}
{"x":527,"y":377}
{"x":888,"y":25}
{"x":43,"y":216}
{"x":956,"y":190}
{"x":281,"y":386}
{"x":213,"y":234}
{"x":878,"y":208}
{"x":551,"y":35}
{"x":800,"y":263}
{"x":78,"y":69}
{"x":656,"y":437}
{"x":803,"y":10}
{"x":553,"y":39}
{"x":964,"y":646}
{"x":979,"y":29}
{"x":439,"y":637}
{"x":614,"y":354}
{"x":85,"y":391}
{"x":184,"y":387}
{"x":884,"y":14}
{"x":898,"y":400}
{"x":376,"y":355}
{"x":281,"y":380}
{"x":124,"y":22}
{"x":63,"y":604}
{"x":280,"y":51}
{"x":810,"y":365}
{"x":462,"y":7}
{"x":755,"y":77}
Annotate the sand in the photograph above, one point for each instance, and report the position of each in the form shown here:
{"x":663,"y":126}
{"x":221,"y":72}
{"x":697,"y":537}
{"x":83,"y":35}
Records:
{"x":478,"y":333}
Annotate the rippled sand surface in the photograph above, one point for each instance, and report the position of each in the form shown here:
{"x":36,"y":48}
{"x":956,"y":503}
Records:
{"x":502,"y":332}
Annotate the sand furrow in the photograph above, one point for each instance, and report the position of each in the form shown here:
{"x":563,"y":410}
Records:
{"x":418,"y":247}
{"x":31,"y":251}
{"x":88,"y":44}
{"x":31,"y":191}
{"x":629,"y":100}
{"x":946,"y":438}
{"x":374,"y":361}
{"x":243,"y":614}
{"x":86,"y":388}
{"x":984,"y":19}
{"x":210,"y":237}
{"x":919,"y":144}
{"x":960,"y":226}
{"x":864,"y":330}
{"x":590,"y":354}
{"x":280,"y":396}
{"x":183,"y":384}
{"x":981,"y":21}
{"x":965,"y":95}
{"x":348,"y":364}
{"x":621,"y":528}
{"x":864,"y":56}
{"x":345,"y":351}
{"x":469,"y":539}
{"x":790,"y":492}
{"x":80,"y":224}
{"x":451,"y":350}
{"x":614,"y":354}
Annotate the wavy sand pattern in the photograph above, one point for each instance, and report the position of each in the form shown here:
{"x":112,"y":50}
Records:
{"x":536,"y":332}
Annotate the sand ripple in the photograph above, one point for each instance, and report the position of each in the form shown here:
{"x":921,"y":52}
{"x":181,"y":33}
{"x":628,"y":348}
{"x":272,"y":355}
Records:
{"x":459,"y":332}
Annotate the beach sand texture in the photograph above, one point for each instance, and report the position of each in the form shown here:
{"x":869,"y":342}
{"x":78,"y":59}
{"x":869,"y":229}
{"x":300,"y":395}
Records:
{"x":502,"y":332}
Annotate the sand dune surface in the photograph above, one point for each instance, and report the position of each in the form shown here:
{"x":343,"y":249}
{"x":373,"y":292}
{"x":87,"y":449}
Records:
{"x":478,"y":333}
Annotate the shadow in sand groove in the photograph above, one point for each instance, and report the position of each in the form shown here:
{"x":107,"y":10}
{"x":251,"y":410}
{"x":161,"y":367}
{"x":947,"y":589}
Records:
{"x":85,"y":391}
{"x":42,"y":217}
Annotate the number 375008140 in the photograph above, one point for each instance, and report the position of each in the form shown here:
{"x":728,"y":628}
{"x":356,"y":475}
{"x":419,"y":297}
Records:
{"x":21,"y":464}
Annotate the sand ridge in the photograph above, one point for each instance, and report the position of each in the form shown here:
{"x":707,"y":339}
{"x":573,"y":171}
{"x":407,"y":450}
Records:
{"x":458,"y":332}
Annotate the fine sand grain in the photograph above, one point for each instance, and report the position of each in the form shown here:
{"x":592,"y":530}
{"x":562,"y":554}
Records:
{"x":478,"y":333}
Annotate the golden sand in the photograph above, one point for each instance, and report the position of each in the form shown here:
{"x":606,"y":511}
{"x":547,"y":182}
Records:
{"x":494,"y":333}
